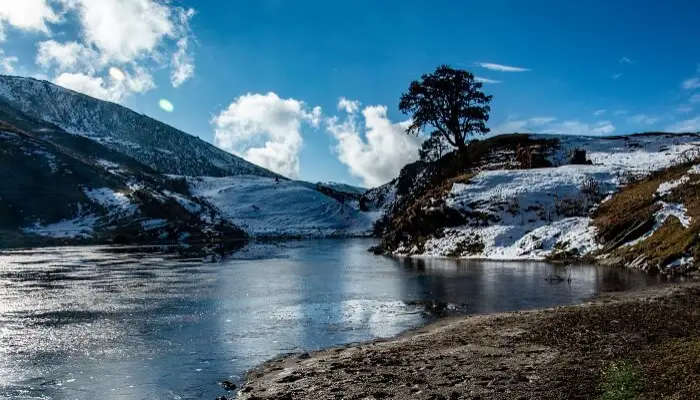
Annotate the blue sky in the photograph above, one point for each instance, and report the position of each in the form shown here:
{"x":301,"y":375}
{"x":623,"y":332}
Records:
{"x":597,"y":68}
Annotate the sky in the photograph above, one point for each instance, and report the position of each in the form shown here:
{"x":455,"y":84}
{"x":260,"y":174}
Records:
{"x":310,"y":89}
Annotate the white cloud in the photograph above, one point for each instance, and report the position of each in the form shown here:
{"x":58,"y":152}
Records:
{"x":7,"y":63}
{"x":522,"y":125}
{"x":67,"y":56}
{"x":377,"y":151}
{"x":502,"y":68}
{"x":574,"y":127}
{"x":111,"y":89}
{"x":695,"y":98}
{"x":182,"y":64}
{"x":600,"y":112}
{"x":616,"y":76}
{"x":688,"y":125}
{"x":642,"y":119}
{"x":485,"y":80}
{"x":554,"y":126}
{"x":124,"y":30}
{"x":691,"y":83}
{"x":130,"y":36}
{"x":93,"y":86}
{"x":29,"y":15}
{"x":349,"y":106}
{"x":626,"y":60}
{"x":266,"y":130}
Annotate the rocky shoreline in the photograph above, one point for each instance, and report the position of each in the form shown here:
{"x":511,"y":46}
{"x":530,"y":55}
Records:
{"x":560,"y":353}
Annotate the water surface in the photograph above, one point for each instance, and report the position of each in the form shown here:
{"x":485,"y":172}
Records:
{"x":129,"y":323}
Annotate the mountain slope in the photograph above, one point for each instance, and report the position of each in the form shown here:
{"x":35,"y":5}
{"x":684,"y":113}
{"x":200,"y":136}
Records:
{"x":152,"y":143}
{"x":534,"y":196}
{"x":59,"y":188}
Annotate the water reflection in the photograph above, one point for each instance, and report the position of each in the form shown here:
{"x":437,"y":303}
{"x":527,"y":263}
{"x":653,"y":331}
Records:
{"x":83,"y":323}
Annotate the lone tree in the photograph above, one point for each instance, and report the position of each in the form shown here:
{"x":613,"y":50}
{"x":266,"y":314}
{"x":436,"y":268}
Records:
{"x":451,"y":101}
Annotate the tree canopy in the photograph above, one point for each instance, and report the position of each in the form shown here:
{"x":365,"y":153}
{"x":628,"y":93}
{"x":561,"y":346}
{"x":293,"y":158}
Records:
{"x":449,"y":100}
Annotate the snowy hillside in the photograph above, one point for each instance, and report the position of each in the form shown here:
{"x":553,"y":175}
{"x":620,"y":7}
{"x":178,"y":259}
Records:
{"x":506,"y":212}
{"x":76,"y":169}
{"x":153,"y":143}
{"x":269,"y":207}
{"x":59,"y":188}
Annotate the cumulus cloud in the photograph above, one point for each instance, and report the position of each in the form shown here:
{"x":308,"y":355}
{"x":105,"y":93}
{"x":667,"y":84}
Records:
{"x":94,"y":86}
{"x":266,"y":130}
{"x":376,"y":149}
{"x":688,"y":125}
{"x":502,"y":68}
{"x":349,"y":106}
{"x":28,"y":15}
{"x":67,"y":56}
{"x":114,"y":88}
{"x":134,"y":36}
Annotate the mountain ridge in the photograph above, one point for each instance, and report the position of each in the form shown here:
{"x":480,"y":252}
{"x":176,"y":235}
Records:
{"x":144,"y":138}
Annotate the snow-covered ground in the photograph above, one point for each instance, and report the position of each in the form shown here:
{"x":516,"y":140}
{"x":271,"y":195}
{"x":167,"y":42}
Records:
{"x":78,"y":227}
{"x":526,"y":214}
{"x":268,"y":207}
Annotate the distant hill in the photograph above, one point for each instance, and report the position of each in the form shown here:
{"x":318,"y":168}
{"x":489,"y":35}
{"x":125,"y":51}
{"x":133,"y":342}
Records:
{"x":165,"y":149}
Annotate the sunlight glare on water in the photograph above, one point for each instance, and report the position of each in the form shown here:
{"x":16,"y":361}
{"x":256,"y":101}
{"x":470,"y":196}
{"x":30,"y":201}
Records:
{"x":115,"y":322}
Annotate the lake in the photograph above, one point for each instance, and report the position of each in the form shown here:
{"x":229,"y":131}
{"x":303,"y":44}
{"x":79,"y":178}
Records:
{"x":146,"y":323}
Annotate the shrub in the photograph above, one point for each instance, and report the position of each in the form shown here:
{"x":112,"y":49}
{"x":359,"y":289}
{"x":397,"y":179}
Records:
{"x":621,"y":381}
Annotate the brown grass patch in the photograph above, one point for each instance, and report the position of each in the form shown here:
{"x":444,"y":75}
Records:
{"x":630,"y":214}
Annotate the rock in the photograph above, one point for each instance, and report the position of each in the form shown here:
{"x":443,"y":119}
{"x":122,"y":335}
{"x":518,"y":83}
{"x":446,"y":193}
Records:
{"x":228,"y":385}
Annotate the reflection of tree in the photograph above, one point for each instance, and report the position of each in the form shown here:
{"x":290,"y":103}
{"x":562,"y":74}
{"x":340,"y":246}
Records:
{"x":612,"y":280}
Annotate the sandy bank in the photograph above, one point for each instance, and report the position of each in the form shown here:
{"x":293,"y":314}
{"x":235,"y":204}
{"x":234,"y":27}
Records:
{"x":558,"y":353}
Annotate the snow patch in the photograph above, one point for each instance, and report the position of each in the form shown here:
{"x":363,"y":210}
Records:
{"x":116,"y":203}
{"x":79,"y":227}
{"x":665,"y":188}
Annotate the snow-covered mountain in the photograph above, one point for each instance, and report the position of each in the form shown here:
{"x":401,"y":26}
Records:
{"x":153,"y":143}
{"x":74,"y":169}
{"x":543,"y":196}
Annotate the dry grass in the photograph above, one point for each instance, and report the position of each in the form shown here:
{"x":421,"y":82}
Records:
{"x":630,"y":213}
